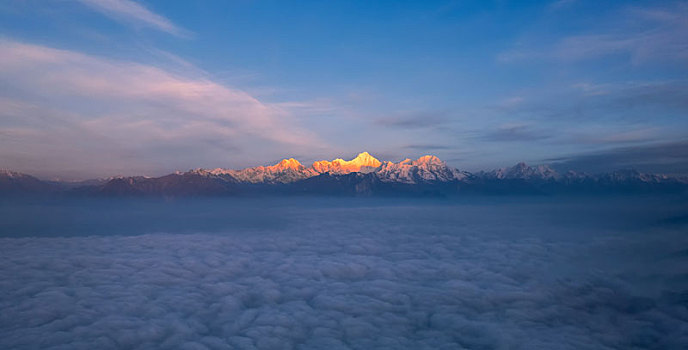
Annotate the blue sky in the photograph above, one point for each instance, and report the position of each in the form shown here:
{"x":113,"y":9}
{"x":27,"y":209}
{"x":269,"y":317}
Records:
{"x":103,"y":87}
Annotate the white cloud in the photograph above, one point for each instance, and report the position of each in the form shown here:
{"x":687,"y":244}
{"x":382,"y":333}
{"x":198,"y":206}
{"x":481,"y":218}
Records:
{"x":83,"y":109}
{"x":133,"y":12}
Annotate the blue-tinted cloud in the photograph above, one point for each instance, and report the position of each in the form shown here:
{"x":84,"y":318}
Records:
{"x":516,"y":133}
{"x":670,"y":158}
{"x":643,"y":34}
{"x":414,"y":120}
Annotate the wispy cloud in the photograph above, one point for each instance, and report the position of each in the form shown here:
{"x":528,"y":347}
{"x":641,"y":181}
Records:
{"x":516,"y":133}
{"x":135,"y":13}
{"x":414,"y":120}
{"x":132,"y":114}
{"x":632,"y":101}
{"x":560,"y":4}
{"x":606,"y":136}
{"x":669,"y":157}
{"x":643,"y":34}
{"x":427,"y":147}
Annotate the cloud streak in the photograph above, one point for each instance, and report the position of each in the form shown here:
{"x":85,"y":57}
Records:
{"x":671,"y":158}
{"x":626,"y":102}
{"x":417,"y":120}
{"x":516,"y":133}
{"x":132,"y":12}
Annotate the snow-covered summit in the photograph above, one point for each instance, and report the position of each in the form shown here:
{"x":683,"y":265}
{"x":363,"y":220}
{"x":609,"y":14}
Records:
{"x":524,"y":172}
{"x":287,"y":170}
{"x":424,"y":169}
{"x":364,"y":162}
{"x":11,"y":174}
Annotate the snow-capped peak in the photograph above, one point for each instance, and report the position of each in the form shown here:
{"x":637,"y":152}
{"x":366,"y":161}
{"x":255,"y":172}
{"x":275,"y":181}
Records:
{"x":286,"y":170}
{"x":10,"y":173}
{"x":290,"y":163}
{"x":429,"y":160}
{"x":364,"y":162}
{"x":523,"y":171}
{"x":365,"y":159}
{"x":424,"y":169}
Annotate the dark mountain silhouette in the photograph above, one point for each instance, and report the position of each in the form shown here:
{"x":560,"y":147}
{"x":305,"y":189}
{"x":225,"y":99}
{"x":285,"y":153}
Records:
{"x":12,"y":183}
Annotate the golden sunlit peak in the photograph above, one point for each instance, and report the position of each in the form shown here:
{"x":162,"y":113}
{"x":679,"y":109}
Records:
{"x":429,"y":159}
{"x":290,"y":163}
{"x":363,"y":160}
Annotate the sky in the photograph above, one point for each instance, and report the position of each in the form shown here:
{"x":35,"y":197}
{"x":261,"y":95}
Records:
{"x":93,"y":88}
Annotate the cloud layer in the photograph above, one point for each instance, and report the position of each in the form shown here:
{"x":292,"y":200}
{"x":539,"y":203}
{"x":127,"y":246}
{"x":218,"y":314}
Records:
{"x":353,"y":278}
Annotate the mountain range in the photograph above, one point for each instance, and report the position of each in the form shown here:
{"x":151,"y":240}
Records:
{"x":363,"y":175}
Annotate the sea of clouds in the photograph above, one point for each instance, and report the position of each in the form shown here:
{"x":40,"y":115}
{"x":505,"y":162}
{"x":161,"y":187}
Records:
{"x":383,"y":277}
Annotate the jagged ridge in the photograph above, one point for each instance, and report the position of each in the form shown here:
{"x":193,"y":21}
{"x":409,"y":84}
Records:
{"x":362,"y":175}
{"x":424,"y":169}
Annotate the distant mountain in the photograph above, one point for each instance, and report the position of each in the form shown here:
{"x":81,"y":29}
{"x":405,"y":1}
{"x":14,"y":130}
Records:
{"x":426,"y":169}
{"x":184,"y":184}
{"x":522,"y":178}
{"x":522,"y":171}
{"x":12,"y":182}
{"x":364,"y":175}
{"x":286,"y":171}
{"x":525,"y":172}
{"x":83,"y":183}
